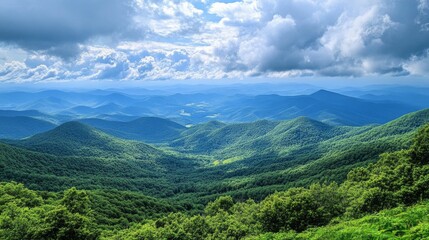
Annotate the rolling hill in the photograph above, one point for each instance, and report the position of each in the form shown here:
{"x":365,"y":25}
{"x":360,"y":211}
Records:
{"x":77,"y":139}
{"x":74,"y":154}
{"x":256,"y":166}
{"x":244,"y":159}
{"x":16,"y":127}
{"x":148,"y":129}
{"x":248,"y":139}
{"x":25,"y":113}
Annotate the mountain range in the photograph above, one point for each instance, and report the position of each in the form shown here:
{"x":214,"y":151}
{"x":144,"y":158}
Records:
{"x":155,"y":118}
{"x":241,"y":159}
{"x":189,"y":170}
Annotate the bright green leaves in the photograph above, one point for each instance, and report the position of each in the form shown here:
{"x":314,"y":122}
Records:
{"x":24,"y":215}
{"x":17,"y":193}
{"x":420,"y":148}
{"x":75,"y":201}
{"x":300,"y":208}
{"x":62,"y":224}
{"x":223,"y":203}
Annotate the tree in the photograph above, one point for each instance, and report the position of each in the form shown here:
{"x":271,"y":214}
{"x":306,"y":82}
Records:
{"x":61,"y":224}
{"x":223,"y":203}
{"x":300,"y":208}
{"x":76,"y":201}
{"x":420,"y":148}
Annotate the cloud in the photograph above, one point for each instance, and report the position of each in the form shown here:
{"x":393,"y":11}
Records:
{"x":58,"y":26}
{"x":418,"y":65}
{"x":168,"y":18}
{"x":180,"y":39}
{"x":245,"y":12}
{"x":328,"y":37}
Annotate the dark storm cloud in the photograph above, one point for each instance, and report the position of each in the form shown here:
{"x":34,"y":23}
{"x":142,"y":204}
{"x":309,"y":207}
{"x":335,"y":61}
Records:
{"x":58,"y":26}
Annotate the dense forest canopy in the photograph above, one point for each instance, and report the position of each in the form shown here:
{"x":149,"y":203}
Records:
{"x":396,"y":179}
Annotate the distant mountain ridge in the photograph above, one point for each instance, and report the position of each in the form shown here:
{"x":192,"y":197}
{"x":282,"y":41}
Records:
{"x":16,"y":127}
{"x":322,"y":105}
{"x":194,"y":108}
{"x":148,"y":129}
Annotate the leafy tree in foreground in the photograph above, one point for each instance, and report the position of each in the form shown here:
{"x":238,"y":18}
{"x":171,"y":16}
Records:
{"x":420,"y":148}
{"x":25,"y":215}
{"x":300,"y":208}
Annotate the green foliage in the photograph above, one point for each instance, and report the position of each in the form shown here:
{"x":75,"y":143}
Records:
{"x":399,"y":223}
{"x":60,"y":223}
{"x":298,"y":212}
{"x":420,"y":148}
{"x":26,"y":216}
{"x":300,"y":208}
{"x":19,"y":195}
{"x":117,"y":209}
{"x":75,"y":201}
{"x":223,"y":203}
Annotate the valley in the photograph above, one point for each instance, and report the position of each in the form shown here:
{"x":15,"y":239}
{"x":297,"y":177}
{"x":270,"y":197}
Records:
{"x":136,"y":169}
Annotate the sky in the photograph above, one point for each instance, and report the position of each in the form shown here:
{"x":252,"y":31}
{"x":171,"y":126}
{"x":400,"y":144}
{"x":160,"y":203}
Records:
{"x":48,"y":41}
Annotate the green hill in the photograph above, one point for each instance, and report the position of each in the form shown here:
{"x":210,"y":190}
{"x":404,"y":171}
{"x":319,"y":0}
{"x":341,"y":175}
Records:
{"x":214,"y":137}
{"x":280,"y":159}
{"x":16,"y":127}
{"x":354,"y":209}
{"x":148,"y":129}
{"x":74,"y":154}
{"x":247,"y":139}
{"x":48,"y":172}
{"x":77,"y":139}
{"x":286,"y":167}
{"x":247,"y":160}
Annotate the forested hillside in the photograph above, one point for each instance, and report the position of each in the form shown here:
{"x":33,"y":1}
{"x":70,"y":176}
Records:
{"x":148,"y":129}
{"x":258,"y":180}
{"x":250,"y":168}
{"x":246,"y":160}
{"x":74,"y":154}
{"x":320,"y":211}
{"x":16,"y":127}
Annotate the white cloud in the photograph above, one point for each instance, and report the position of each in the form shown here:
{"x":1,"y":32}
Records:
{"x":237,"y":12}
{"x":180,"y":39}
{"x":418,"y":65}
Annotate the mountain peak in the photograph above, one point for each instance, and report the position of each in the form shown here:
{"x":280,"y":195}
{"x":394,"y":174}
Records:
{"x":71,"y":138}
{"x":323,"y":92}
{"x":333,"y":97}
{"x":73,"y":126}
{"x":71,"y":132}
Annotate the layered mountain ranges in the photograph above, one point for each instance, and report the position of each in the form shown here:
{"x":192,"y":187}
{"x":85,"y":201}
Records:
{"x":202,"y":161}
{"x":193,"y":108}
